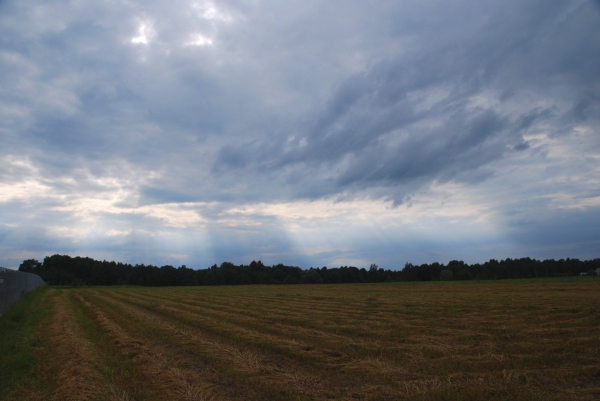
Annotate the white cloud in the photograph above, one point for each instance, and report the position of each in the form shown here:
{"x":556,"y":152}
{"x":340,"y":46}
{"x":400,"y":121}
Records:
{"x":145,"y":33}
{"x":199,"y":40}
{"x":208,"y":10}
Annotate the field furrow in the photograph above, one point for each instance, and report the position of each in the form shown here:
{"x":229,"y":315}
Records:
{"x":436,"y":341}
{"x":166,"y":375}
{"x":246,"y":355}
{"x":265,"y":326}
{"x":72,"y":367}
{"x":321,"y":353}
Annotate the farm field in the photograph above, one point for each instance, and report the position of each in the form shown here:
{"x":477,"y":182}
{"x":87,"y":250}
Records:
{"x":537,"y":340}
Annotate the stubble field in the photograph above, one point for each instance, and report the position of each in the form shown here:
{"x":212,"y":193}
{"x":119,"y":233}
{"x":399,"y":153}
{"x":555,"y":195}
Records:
{"x":443,"y":341}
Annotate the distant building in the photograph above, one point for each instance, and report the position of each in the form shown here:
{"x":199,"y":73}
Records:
{"x":597,"y":271}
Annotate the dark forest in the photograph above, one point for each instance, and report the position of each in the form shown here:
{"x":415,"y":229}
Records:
{"x":67,"y":270}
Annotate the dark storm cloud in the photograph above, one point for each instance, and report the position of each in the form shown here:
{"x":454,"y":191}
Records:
{"x":560,"y":233}
{"x":416,"y":117}
{"x":410,"y":116}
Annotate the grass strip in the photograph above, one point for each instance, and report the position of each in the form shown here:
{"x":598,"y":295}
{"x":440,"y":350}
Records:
{"x":234,"y":363}
{"x":171,"y":375}
{"x":121,"y":375}
{"x":20,"y":335}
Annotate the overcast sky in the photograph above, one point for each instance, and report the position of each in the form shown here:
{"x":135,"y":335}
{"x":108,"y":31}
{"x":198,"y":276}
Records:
{"x":307,"y":132}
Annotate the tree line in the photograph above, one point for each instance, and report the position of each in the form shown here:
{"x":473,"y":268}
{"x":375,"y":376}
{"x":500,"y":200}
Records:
{"x":67,"y":270}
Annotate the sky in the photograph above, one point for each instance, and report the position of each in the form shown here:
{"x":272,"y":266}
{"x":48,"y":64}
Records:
{"x":309,"y":133}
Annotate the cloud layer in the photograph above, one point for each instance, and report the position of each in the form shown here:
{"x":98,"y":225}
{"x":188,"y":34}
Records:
{"x":307,"y":133}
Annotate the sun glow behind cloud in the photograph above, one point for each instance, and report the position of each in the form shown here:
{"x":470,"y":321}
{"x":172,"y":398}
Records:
{"x":307,"y":224}
{"x":209,"y":11}
{"x":199,"y":40}
{"x":145,"y":33}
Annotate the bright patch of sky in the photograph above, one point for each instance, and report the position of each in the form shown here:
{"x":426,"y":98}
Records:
{"x":145,"y":33}
{"x":208,"y":10}
{"x":199,"y":40}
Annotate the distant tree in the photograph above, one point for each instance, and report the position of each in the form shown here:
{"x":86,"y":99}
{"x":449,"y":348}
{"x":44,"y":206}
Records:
{"x":409,"y":272}
{"x":464,"y":274}
{"x":446,"y":275}
{"x":214,"y":277}
{"x":311,"y":277}
{"x":427,"y":272}
{"x":31,"y":266}
{"x":66,"y":270}
{"x":292,"y":280}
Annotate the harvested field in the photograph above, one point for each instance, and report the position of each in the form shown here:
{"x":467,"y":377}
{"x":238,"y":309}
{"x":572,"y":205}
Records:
{"x":535,"y":340}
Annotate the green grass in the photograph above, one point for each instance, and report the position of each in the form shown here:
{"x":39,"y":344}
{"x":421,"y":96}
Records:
{"x":119,"y":371}
{"x":20,"y":336}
